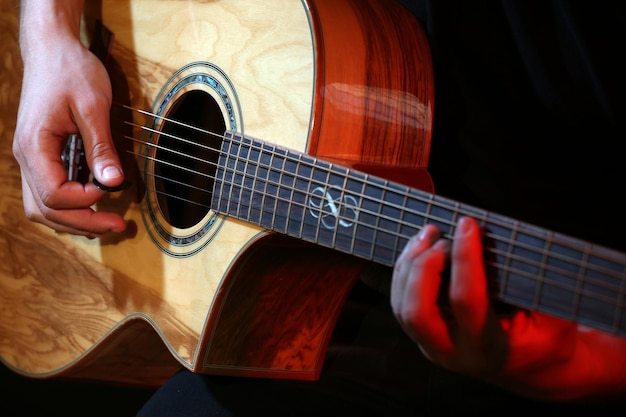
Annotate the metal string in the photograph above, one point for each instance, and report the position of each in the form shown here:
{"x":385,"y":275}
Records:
{"x":426,"y":198}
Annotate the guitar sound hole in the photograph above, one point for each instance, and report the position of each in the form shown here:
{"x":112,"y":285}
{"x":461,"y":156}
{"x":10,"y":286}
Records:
{"x":187,"y":157}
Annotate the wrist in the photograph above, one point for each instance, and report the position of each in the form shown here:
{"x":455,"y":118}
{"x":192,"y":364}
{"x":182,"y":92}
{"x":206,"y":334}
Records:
{"x":593,"y":373}
{"x":606,"y":365}
{"x":44,"y":25}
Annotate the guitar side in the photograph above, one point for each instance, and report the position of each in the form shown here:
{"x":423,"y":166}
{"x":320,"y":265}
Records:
{"x":239,"y":303}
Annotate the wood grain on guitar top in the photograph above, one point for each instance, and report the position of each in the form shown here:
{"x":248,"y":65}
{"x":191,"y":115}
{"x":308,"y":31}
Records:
{"x":344,"y":82}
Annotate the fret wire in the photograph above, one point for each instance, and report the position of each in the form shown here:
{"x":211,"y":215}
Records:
{"x":377,"y":219}
{"x":228,"y":186}
{"x":264,"y":181}
{"x":264,"y":148}
{"x":512,"y":256}
{"x":543,"y":263}
{"x":507,"y":267}
{"x":241,"y":143}
{"x":357,"y":229}
{"x":430,"y":199}
{"x":322,"y":183}
{"x":259,"y":188}
{"x":559,"y":284}
{"x":236,"y":202}
{"x":315,"y":183}
{"x":254,"y":191}
{"x":353,"y":239}
{"x":303,"y":208}
{"x":530,"y":233}
{"x":245,"y":177}
{"x":579,"y":291}
{"x":282,"y":185}
{"x":428,"y":214}
{"x":334,"y":231}
{"x":405,"y":203}
{"x":558,"y":312}
{"x":564,"y":243}
{"x":291,"y":188}
{"x":569,"y":260}
{"x":402,"y":220}
{"x":312,"y":165}
{"x":519,"y":272}
{"x":343,"y":172}
{"x":341,"y":199}
{"x":482,"y":223}
{"x":561,"y":272}
{"x":455,"y":218}
{"x":400,"y":240}
{"x":620,"y":304}
{"x":549,"y":236}
{"x":290,"y":203}
{"x":319,"y":218}
{"x":221,"y":186}
{"x":545,"y":254}
{"x":299,"y":156}
{"x":228,"y":203}
{"x":497,"y":236}
{"x":306,"y":192}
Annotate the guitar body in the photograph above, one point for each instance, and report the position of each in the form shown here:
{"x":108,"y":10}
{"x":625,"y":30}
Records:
{"x":344,"y":81}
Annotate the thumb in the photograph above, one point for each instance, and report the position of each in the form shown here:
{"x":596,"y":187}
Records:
{"x":102,"y":157}
{"x":104,"y":161}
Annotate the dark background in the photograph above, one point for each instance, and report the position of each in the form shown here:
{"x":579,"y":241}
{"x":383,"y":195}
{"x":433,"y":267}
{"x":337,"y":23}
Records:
{"x":528,"y":116}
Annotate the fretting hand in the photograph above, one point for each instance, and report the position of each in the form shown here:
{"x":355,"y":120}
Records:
{"x":529,"y":353}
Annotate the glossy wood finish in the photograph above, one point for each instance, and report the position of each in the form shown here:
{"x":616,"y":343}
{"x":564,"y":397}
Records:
{"x":373,"y":218}
{"x":384,"y":96}
{"x":251,"y":302}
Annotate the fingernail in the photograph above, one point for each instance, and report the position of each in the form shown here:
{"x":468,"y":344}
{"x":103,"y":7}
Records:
{"x":111,"y":172}
{"x":465,"y":225}
{"x":429,"y":233}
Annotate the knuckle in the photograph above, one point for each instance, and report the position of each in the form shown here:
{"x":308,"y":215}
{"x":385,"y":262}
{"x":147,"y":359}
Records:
{"x":416,"y":319}
{"x":48,"y":199}
{"x":94,"y":99}
{"x":18,"y":147}
{"x":32,"y":215}
{"x":462,"y":301}
{"x":37,"y":215}
{"x":100,"y":150}
{"x":427,"y":263}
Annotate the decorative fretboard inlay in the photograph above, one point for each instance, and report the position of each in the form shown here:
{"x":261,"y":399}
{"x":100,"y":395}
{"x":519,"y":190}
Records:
{"x":333,"y":207}
{"x":295,"y":194}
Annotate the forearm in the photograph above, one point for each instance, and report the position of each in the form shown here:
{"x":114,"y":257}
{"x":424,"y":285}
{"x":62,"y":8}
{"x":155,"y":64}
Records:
{"x":606,"y":365}
{"x":594,"y":373}
{"x":43,"y":22}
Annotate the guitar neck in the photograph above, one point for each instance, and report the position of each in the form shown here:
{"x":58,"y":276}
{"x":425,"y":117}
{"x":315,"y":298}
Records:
{"x":336,"y":207}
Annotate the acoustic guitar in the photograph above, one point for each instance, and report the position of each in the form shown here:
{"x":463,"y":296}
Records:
{"x":274,"y":153}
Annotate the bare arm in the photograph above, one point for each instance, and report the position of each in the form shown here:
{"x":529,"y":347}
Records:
{"x":528,"y":353}
{"x":65,"y":90}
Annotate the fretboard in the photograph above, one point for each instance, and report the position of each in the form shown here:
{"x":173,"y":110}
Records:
{"x":369,"y":217}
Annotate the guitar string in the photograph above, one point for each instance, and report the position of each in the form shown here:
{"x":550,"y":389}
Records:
{"x":419,"y":214}
{"x":269,"y":167}
{"x":576,"y":289}
{"x":441,"y":220}
{"x":427,"y":199}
